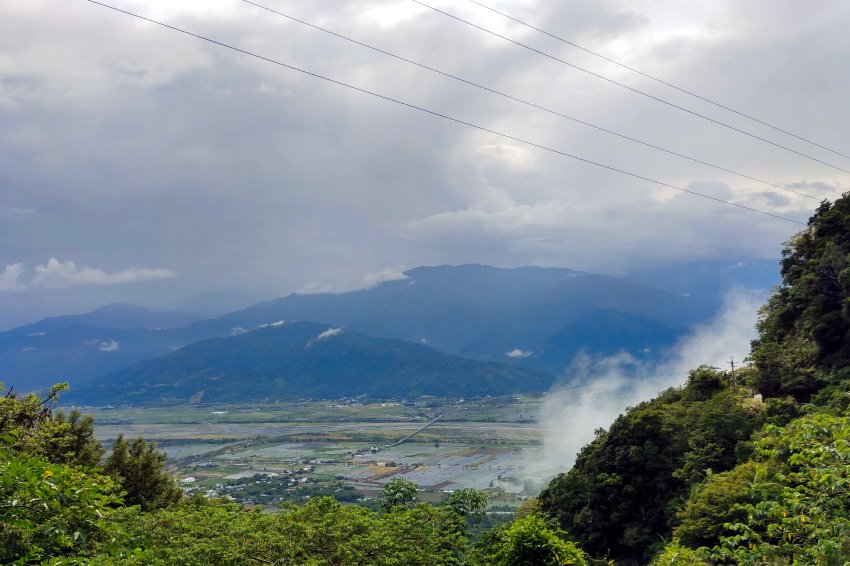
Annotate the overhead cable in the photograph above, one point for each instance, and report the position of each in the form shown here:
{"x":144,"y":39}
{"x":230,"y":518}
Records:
{"x":440,"y":115}
{"x":525,"y":102}
{"x":632,"y":89}
{"x":658,"y":80}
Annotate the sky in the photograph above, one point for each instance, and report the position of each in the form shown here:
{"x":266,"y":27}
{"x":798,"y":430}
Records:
{"x":142,"y":165}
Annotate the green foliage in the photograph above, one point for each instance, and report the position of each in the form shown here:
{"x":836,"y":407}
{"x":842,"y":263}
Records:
{"x":321,"y":532}
{"x":529,"y":540}
{"x":714,"y":503}
{"x":804,"y":329}
{"x":467,"y":502}
{"x":49,"y":510}
{"x":27,"y":425}
{"x":780,"y":411}
{"x":399,"y":492}
{"x":674,"y":554}
{"x":75,"y":444}
{"x":797,"y":513}
{"x":138,"y":466}
{"x":621,"y":498}
{"x":50,"y":505}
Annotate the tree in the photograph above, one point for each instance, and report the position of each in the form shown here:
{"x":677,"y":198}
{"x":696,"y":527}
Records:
{"x":798,"y":500}
{"x":49,"y":510}
{"x":674,"y":554}
{"x":75,"y":443}
{"x":138,"y":467}
{"x":620,"y":500}
{"x":531,"y":540}
{"x":398,"y":492}
{"x":467,"y":502}
{"x":49,"y":505}
{"x":804,"y":329}
{"x":320,"y":532}
{"x":714,"y":503}
{"x":27,"y":425}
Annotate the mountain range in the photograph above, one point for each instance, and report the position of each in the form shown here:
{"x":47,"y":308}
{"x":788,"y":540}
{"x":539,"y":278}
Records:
{"x":530,"y":317}
{"x":290,"y":361}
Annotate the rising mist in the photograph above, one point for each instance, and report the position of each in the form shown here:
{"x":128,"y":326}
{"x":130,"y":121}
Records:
{"x":594,"y":391}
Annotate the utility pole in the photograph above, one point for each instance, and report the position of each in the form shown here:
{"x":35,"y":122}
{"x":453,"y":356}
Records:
{"x":732,"y":363}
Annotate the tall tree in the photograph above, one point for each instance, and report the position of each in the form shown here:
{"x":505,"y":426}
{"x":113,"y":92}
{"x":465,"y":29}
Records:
{"x":139,"y":468}
{"x":49,"y":505}
{"x":804,"y":329}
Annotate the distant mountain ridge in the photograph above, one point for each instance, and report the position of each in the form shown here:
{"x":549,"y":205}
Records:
{"x":116,"y":315}
{"x":290,"y":361}
{"x":530,"y":316}
{"x":485,"y":312}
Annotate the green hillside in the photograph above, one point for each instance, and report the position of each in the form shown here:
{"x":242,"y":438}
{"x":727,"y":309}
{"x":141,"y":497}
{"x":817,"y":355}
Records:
{"x":751,"y":468}
{"x":307,"y":360}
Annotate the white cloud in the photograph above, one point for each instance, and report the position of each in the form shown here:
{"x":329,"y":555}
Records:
{"x":602,"y":389}
{"x":368,"y":281}
{"x":374,"y":279}
{"x":318,"y":289}
{"x":556,"y":232}
{"x":109,"y":346}
{"x":9,"y":278}
{"x":517,"y":353}
{"x":61,"y":274}
{"x":328,"y":333}
{"x":75,"y":73}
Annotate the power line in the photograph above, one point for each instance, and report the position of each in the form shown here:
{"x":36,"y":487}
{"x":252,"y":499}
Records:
{"x":438,"y":114}
{"x":527,"y":103}
{"x":632,"y":89}
{"x":658,"y":80}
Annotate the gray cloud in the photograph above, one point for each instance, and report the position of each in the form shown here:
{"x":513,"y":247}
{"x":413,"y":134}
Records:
{"x":9,"y":278}
{"x":122,"y":143}
{"x":60,"y":274}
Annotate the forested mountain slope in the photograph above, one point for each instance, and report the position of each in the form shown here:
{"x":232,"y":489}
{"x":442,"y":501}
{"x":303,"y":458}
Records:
{"x":729,"y":476}
{"x":290,"y":361}
{"x":486,"y":312}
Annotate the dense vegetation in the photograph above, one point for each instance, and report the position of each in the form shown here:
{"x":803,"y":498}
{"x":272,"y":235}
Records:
{"x":711,"y":473}
{"x":61,"y":503}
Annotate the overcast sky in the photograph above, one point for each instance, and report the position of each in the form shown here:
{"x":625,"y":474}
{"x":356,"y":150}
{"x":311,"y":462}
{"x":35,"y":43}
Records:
{"x":139,"y":164}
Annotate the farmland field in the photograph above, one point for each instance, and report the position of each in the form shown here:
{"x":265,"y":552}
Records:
{"x":266,"y":454}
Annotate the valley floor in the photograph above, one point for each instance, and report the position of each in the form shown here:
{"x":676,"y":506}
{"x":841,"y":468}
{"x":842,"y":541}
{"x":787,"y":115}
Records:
{"x":265,"y":454}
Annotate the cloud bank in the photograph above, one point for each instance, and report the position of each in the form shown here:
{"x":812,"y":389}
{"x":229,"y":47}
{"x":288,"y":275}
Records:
{"x":62,"y":274}
{"x":145,"y":147}
{"x":10,"y":278}
{"x":601,"y":389}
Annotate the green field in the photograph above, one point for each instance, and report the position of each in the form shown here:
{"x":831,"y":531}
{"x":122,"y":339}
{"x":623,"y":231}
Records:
{"x":266,"y":454}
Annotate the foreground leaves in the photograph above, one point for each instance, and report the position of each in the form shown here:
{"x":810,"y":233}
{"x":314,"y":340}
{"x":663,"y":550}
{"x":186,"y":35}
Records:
{"x":49,"y":510}
{"x":321,"y":532}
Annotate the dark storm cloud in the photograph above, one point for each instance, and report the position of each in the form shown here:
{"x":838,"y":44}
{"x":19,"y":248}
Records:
{"x":126,"y":146}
